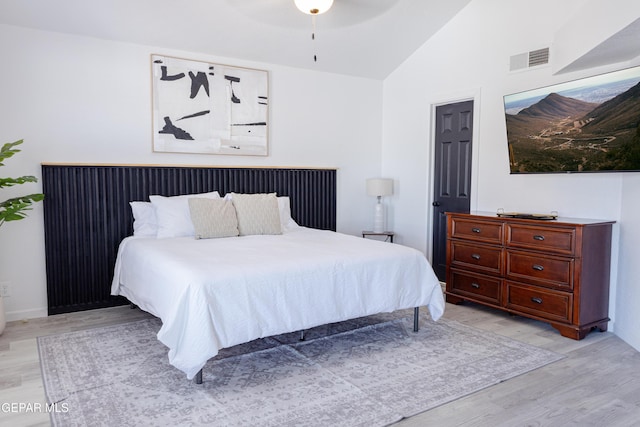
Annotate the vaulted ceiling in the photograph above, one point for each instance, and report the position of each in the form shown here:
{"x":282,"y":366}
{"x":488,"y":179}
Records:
{"x":366,"y":38}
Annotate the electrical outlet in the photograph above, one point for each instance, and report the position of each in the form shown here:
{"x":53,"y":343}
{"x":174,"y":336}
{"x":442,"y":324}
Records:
{"x":5,"y":289}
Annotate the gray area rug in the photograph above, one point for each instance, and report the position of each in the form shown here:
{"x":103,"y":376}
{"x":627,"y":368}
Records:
{"x":371,"y":371}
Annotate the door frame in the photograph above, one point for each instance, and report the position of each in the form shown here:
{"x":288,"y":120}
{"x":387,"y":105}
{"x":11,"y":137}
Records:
{"x":473,"y":95}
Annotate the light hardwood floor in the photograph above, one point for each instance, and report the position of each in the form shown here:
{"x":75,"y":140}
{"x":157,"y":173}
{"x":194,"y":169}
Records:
{"x":597,"y":384}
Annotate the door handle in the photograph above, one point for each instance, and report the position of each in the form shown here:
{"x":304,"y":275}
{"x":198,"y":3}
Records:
{"x":436,"y":204}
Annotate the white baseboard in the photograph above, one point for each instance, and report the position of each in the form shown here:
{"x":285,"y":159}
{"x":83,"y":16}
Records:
{"x":26,"y":314}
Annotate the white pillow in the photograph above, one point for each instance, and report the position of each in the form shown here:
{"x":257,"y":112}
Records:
{"x":213,"y":218}
{"x":257,"y":213}
{"x":145,"y":223}
{"x":172,"y":213}
{"x":284,"y":206}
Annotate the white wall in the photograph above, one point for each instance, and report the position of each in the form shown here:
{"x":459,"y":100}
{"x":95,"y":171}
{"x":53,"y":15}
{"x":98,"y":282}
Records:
{"x":76,"y":99}
{"x":574,"y":47}
{"x":469,"y":59}
{"x":628,"y":291}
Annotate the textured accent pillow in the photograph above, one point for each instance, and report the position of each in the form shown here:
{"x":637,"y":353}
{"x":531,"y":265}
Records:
{"x":145,"y":223}
{"x":257,"y":213}
{"x":213,"y":218}
{"x":172,"y":213}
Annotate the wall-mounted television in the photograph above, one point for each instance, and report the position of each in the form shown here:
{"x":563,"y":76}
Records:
{"x":586,"y":125}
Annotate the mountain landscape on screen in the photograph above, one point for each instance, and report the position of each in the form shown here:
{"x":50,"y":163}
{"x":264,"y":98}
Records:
{"x":580,"y":129}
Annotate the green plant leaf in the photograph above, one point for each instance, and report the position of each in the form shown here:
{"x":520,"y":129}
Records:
{"x":8,"y":182}
{"x":15,"y":209}
{"x":7,"y":150}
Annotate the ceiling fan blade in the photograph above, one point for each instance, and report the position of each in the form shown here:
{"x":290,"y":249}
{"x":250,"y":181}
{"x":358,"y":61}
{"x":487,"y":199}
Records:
{"x":283,"y":13}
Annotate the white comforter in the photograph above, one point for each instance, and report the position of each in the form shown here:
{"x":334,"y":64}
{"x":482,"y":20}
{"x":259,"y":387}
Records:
{"x":216,"y":293}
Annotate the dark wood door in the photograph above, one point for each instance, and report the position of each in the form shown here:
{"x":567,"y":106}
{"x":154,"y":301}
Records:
{"x":452,"y":173}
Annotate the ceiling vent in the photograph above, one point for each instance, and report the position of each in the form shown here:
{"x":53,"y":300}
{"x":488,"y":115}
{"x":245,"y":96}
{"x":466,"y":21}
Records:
{"x":529,"y":59}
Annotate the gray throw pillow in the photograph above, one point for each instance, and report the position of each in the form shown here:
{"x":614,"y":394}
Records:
{"x":213,"y":218}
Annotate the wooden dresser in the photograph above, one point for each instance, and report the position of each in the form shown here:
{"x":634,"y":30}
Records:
{"x":556,"y":271}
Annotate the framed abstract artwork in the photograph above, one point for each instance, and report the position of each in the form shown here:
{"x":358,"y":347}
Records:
{"x":202,"y":107}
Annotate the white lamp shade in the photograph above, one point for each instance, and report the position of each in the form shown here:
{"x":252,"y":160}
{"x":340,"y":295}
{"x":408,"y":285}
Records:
{"x":379,"y":187}
{"x":313,"y":7}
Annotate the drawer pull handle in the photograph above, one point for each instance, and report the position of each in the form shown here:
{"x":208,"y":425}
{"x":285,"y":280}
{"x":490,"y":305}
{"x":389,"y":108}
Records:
{"x":475,"y":285}
{"x":475,"y":229}
{"x":475,"y":256}
{"x":537,"y":300}
{"x":538,"y":237}
{"x":537,"y":267}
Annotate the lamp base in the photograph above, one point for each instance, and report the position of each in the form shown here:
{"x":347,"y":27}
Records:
{"x":378,"y":218}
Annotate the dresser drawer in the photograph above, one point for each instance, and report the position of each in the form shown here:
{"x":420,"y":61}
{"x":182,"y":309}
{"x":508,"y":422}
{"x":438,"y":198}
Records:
{"x":546,"y":303}
{"x":478,"y":230}
{"x":555,"y":272}
{"x":547,"y":239}
{"x":476,"y":286}
{"x":476,"y":257}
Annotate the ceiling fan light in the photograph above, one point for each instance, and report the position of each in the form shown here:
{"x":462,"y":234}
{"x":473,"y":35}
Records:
{"x":313,"y":7}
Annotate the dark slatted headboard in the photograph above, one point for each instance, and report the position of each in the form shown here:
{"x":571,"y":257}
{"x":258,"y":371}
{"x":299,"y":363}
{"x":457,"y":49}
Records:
{"x":87,"y":214}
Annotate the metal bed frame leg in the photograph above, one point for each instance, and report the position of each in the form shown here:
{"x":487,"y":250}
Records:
{"x":416,"y":313}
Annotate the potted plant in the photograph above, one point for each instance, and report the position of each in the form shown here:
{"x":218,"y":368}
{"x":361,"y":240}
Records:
{"x":15,"y":208}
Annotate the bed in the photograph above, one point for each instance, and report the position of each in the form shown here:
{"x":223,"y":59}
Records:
{"x":213,"y":293}
{"x":88,"y":230}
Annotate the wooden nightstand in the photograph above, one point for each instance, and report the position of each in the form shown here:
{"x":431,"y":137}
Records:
{"x":388,"y":235}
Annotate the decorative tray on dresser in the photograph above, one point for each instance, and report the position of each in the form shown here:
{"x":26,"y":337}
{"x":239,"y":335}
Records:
{"x":553,"y":270}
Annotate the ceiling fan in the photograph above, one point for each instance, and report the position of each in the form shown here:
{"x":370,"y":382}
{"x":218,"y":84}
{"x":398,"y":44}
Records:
{"x":286,"y":13}
{"x":335,"y":14}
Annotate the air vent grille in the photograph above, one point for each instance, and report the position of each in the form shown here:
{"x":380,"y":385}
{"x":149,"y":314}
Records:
{"x":529,"y":59}
{"x":539,"y":57}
